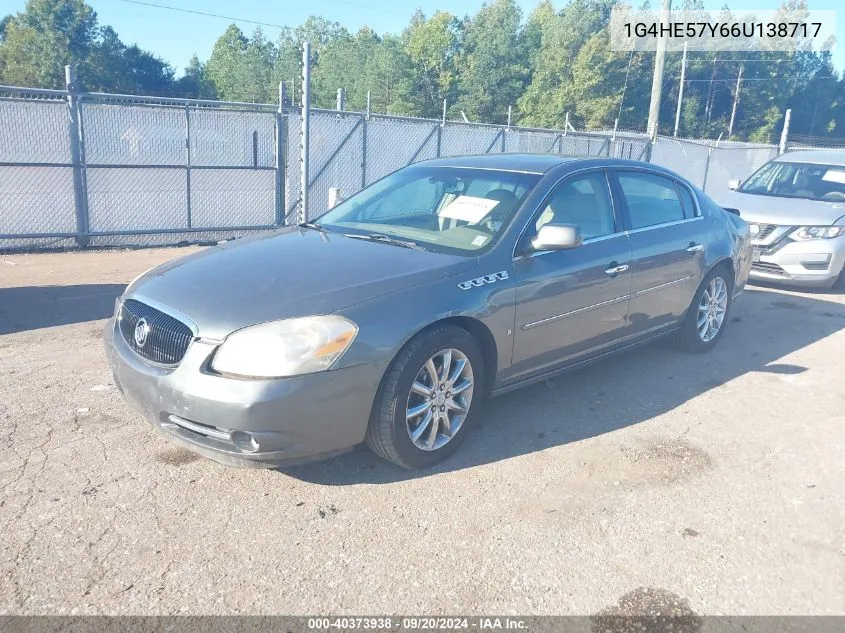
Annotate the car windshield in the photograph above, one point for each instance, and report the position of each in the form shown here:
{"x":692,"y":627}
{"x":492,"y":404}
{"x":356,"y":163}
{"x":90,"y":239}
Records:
{"x":798,"y":180}
{"x":445,"y":209}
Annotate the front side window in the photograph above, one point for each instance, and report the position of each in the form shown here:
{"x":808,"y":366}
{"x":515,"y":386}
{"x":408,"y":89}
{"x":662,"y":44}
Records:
{"x":798,"y":180}
{"x":583,"y":202}
{"x":651,"y":199}
{"x":448,"y":209}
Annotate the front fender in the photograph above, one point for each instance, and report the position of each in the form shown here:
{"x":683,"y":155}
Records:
{"x":386,"y":324}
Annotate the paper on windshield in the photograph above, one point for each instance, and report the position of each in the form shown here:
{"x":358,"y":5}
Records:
{"x":468,"y":208}
{"x":834,"y":175}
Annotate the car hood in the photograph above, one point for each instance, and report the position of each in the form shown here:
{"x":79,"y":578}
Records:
{"x":783,"y":211}
{"x":290,"y":273}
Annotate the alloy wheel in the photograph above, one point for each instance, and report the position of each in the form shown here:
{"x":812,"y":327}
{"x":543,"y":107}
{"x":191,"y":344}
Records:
{"x":712,"y":309}
{"x":439,"y":399}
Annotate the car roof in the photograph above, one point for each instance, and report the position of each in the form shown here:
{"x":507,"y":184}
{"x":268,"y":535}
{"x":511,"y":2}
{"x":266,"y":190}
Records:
{"x":815,"y":156}
{"x":526,"y":163}
{"x":539,"y":163}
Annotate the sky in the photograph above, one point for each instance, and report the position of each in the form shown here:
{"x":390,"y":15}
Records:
{"x":175,"y":35}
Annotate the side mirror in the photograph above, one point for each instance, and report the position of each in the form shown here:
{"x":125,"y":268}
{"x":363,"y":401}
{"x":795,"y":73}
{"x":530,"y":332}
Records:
{"x":734,"y":183}
{"x":556,"y":237}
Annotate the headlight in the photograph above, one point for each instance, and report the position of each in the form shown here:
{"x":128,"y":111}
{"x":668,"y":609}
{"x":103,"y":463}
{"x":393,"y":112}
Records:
{"x":285,"y":348}
{"x":754,"y":229}
{"x":817,"y":232}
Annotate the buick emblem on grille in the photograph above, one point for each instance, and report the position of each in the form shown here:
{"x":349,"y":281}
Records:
{"x":142,"y":330}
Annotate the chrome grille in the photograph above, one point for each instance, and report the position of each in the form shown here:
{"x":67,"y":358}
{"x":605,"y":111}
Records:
{"x":167,"y":338}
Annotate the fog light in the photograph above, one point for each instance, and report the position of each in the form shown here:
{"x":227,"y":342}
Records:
{"x":244,"y":441}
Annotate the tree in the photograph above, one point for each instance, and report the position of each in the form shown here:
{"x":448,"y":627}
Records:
{"x":46,"y":35}
{"x":194,"y":82}
{"x":225,"y":66}
{"x":492,"y":69}
{"x":431,"y":45}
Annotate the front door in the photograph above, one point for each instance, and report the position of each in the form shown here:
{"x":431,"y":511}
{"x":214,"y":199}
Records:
{"x":571,"y":301}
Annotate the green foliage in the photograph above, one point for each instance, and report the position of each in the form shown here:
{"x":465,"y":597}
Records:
{"x":38,"y":42}
{"x":493,"y":64}
{"x":555,"y":62}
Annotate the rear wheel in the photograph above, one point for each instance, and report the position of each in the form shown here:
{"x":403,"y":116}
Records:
{"x":708,"y":314}
{"x":427,"y":398}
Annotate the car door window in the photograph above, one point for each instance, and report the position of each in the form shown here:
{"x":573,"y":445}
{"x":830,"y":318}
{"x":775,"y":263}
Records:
{"x":689,"y":206}
{"x":584,"y":202}
{"x":651,"y":199}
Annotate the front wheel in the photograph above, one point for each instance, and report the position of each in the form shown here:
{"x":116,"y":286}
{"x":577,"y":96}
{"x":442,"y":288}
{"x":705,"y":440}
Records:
{"x":427,"y":398}
{"x":708,"y":314}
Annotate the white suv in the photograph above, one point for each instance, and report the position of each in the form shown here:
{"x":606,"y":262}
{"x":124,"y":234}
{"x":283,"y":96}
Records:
{"x":797,"y":202}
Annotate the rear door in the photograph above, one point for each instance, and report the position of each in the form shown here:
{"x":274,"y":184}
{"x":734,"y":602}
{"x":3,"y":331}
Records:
{"x":667,"y":234}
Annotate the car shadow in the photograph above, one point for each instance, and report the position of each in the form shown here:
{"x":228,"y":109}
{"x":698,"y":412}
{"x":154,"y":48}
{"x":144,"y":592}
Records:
{"x":34,"y":307}
{"x":615,"y":393}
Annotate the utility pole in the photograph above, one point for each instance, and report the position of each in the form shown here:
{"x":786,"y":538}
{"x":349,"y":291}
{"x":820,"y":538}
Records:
{"x":657,"y":79}
{"x":736,"y":101}
{"x":784,"y":135}
{"x":681,"y":90}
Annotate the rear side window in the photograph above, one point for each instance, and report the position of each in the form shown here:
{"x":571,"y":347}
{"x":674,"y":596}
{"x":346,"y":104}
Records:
{"x":686,"y":198}
{"x":651,"y":199}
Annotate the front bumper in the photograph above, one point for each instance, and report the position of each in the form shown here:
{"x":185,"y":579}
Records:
{"x":266,"y":423}
{"x":814,"y":263}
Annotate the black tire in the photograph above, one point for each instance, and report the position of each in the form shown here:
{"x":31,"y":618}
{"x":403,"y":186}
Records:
{"x":688,"y":338}
{"x":387,"y":433}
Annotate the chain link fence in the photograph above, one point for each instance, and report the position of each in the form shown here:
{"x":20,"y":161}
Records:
{"x":351,"y":150}
{"x":91,"y":169}
{"x":710,"y":164}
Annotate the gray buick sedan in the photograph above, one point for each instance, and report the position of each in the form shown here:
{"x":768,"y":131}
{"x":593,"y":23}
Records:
{"x":393,"y":317}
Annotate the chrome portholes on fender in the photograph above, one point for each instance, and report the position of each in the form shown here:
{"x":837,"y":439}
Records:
{"x":486,"y":279}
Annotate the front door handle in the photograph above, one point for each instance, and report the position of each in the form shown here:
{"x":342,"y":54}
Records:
{"x":695,"y":248}
{"x":615,"y":268}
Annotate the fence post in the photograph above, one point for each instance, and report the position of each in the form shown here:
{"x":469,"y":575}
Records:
{"x":188,"y":160}
{"x":364,"y":121}
{"x":440,"y":129}
{"x":80,"y":189}
{"x":281,"y":158}
{"x":707,"y":164}
{"x":306,"y":129}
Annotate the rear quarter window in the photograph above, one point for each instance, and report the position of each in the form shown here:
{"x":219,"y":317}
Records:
{"x":690,"y":209}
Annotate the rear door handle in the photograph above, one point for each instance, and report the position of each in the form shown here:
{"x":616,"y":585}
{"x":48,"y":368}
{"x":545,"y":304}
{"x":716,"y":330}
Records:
{"x":616,"y":269}
{"x":695,"y":248}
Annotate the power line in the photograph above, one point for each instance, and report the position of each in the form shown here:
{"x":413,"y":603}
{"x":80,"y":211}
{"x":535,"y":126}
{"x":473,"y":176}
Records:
{"x":209,"y":15}
{"x":245,"y":20}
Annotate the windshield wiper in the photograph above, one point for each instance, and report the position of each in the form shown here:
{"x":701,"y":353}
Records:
{"x":385,"y":239}
{"x":313,"y":225}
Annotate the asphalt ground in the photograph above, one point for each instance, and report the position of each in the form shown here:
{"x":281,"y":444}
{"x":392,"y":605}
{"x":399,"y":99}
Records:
{"x":711,"y":484}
